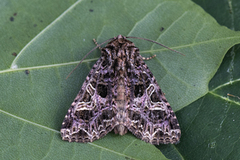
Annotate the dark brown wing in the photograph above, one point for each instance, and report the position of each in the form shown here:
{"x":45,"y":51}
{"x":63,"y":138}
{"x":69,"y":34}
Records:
{"x":150,"y":116}
{"x":90,"y":116}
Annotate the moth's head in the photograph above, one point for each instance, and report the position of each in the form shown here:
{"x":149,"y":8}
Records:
{"x":121,"y":39}
{"x":119,"y":42}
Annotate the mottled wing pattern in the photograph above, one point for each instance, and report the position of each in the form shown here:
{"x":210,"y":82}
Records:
{"x":89,"y":117}
{"x":121,"y":93}
{"x":150,"y":116}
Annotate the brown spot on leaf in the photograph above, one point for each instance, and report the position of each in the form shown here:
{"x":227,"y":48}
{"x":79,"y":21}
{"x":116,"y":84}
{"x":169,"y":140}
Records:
{"x":11,"y":19}
{"x":14,"y":54}
{"x":27,"y":72}
{"x":14,"y":14}
{"x":91,"y":10}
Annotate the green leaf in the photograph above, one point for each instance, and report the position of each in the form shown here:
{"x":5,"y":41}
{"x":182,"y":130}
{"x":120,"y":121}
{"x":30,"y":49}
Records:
{"x":35,"y":95}
{"x":22,"y":21}
{"x":212,"y":122}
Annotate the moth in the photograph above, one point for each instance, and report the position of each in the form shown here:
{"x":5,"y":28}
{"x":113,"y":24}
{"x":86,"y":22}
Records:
{"x":120,"y":93}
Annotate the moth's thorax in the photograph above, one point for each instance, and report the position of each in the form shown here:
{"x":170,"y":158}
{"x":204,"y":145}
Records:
{"x":121,"y":49}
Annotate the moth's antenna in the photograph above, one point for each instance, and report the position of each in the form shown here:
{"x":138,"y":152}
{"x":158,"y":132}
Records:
{"x":88,"y":54}
{"x":156,"y":43}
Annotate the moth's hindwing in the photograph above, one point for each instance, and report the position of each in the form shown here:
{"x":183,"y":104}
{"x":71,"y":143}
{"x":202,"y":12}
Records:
{"x":121,"y":93}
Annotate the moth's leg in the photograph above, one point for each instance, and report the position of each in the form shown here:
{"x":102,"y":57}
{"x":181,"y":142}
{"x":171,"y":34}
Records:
{"x":148,"y":58}
{"x":97,"y":44}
